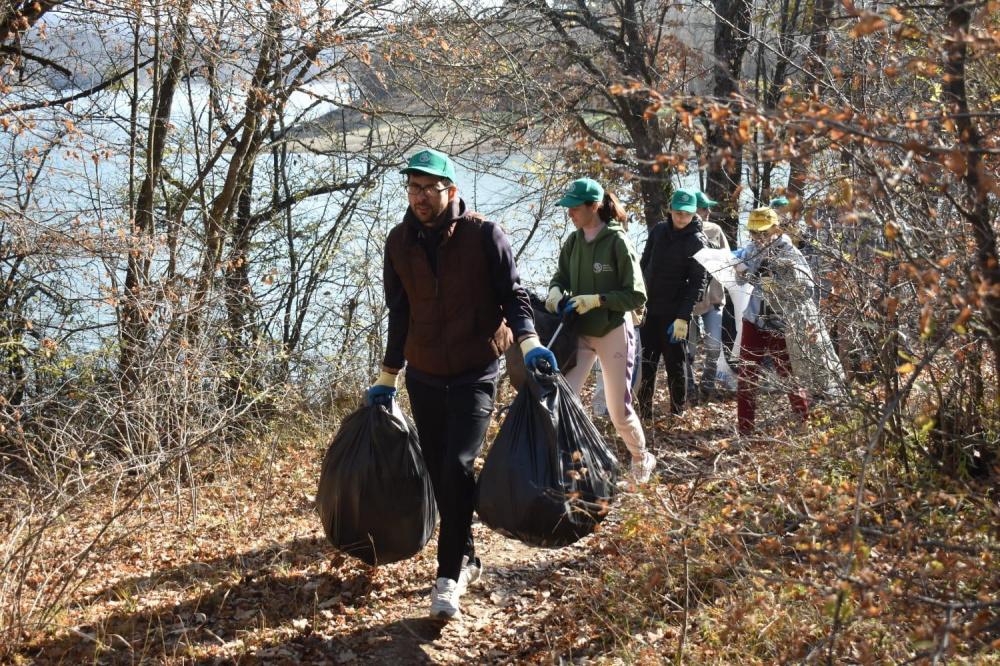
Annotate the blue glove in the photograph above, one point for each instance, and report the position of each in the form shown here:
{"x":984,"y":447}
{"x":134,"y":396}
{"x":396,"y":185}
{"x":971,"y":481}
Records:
{"x":582,"y":304}
{"x":535,"y":353}
{"x":382,"y":391}
{"x":539,"y":354}
{"x":740,"y":254}
{"x":380,"y":395}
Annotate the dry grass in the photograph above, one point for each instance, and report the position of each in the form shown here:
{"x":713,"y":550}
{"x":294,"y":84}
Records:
{"x":737,"y":554}
{"x":754,"y":558}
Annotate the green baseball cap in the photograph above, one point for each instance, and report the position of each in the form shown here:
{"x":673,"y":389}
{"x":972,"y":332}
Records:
{"x":779,"y":202}
{"x":581,"y":191}
{"x":705,"y":202}
{"x":431,"y":162}
{"x":684,"y":200}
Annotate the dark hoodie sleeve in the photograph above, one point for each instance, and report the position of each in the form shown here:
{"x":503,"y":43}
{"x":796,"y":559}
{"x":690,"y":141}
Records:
{"x":647,"y":250}
{"x":697,"y":278}
{"x":510,"y":293}
{"x":399,"y":315}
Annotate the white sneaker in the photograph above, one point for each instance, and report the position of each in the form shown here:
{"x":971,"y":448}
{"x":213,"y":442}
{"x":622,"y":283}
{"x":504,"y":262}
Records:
{"x":471,"y":573}
{"x":444,"y":599}
{"x":643,"y":469}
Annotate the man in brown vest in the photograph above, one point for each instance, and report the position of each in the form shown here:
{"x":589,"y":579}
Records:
{"x":455,"y":304}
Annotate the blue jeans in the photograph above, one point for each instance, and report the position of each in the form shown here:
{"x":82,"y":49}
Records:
{"x":711,"y":347}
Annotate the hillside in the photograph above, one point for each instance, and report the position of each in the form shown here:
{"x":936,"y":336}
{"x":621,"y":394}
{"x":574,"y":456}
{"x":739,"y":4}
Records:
{"x":735,"y":554}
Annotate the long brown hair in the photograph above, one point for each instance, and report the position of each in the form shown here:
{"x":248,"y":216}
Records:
{"x":612,"y":209}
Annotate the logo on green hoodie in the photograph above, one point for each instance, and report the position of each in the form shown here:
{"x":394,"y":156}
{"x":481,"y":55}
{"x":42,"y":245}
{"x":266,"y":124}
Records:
{"x":602,"y":268}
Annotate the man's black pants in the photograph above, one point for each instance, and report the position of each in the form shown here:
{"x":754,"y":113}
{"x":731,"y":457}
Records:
{"x":451,"y":422}
{"x":655,"y":343}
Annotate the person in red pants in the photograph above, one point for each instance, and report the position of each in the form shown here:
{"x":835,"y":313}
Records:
{"x":782,"y":283}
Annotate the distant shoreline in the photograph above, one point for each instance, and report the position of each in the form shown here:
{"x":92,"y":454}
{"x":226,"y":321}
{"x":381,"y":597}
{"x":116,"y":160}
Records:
{"x":330,"y":133}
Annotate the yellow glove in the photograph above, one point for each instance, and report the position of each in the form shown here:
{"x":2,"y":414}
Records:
{"x":552,"y":302}
{"x":678,"y":330}
{"x":386,"y":378}
{"x":767,"y":283}
{"x":383,"y":390}
{"x":585,"y":303}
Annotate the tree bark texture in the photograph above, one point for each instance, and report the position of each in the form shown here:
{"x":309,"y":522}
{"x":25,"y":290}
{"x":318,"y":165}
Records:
{"x":818,"y":46}
{"x":970,"y":145}
{"x":725,"y":149}
{"x":135,"y":314}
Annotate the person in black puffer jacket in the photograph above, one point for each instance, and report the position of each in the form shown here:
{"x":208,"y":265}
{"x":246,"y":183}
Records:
{"x":674,"y":284}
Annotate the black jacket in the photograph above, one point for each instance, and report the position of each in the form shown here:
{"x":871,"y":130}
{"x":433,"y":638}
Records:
{"x":674,"y":279}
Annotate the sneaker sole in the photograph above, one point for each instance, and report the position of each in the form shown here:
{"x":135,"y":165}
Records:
{"x":445,"y":616}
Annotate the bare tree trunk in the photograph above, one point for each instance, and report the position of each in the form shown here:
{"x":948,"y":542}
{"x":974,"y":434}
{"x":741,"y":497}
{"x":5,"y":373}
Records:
{"x":135,"y":313}
{"x":787,"y":27}
{"x":818,"y":47}
{"x":647,"y":137}
{"x":239,"y":296}
{"x":631,"y":39}
{"x":725,"y":149}
{"x":237,"y":176}
{"x":970,"y":145}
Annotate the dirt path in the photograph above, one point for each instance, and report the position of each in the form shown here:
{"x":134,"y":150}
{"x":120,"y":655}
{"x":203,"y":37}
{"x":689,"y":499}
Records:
{"x":249,"y":578}
{"x":250,"y":584}
{"x":499,"y":612}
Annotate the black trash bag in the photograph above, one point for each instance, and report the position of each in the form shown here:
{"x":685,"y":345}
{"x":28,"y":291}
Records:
{"x":375,"y":497}
{"x":729,"y":334}
{"x":546,"y":324}
{"x":549,"y":477}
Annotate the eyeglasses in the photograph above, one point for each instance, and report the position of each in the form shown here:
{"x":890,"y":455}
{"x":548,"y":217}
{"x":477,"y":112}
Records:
{"x":413,"y":190}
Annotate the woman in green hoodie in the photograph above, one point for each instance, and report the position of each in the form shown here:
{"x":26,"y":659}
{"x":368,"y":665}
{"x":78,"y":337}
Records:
{"x":599,"y":267}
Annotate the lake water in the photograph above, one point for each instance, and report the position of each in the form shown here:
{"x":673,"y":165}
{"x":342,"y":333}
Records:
{"x":78,"y":195}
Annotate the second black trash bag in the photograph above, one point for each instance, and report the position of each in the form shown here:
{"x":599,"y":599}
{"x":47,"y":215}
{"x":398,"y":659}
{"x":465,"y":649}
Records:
{"x":549,"y":477}
{"x":375,"y":497}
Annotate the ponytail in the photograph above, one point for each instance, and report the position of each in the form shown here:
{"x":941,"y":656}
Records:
{"x":611,"y":209}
